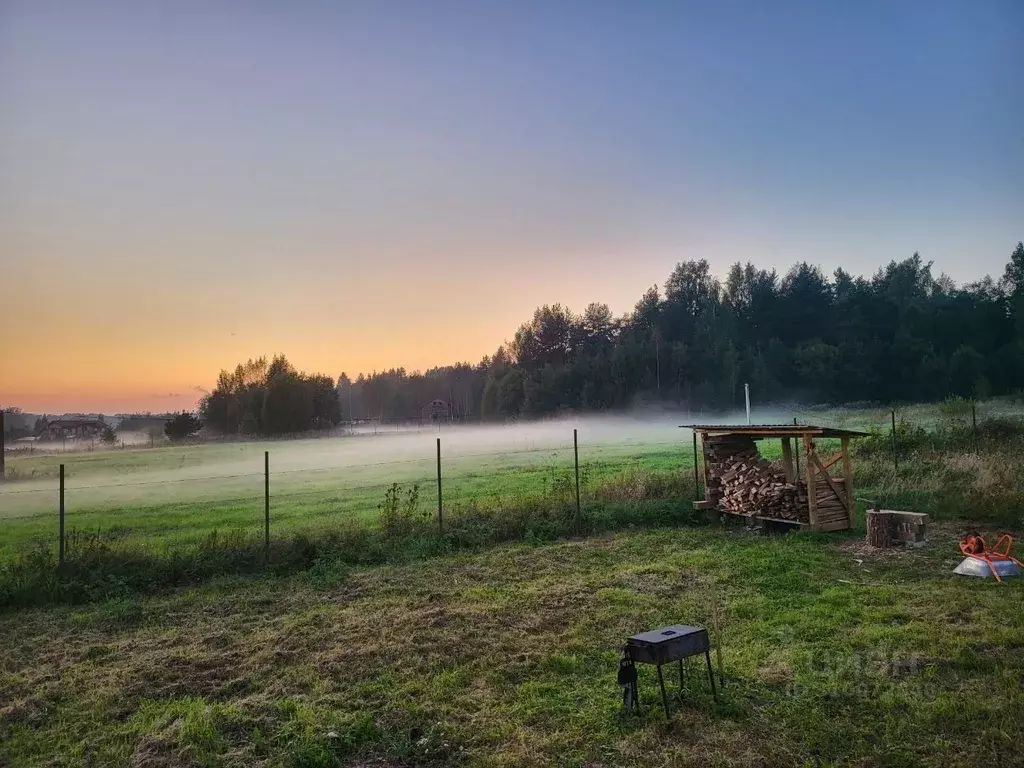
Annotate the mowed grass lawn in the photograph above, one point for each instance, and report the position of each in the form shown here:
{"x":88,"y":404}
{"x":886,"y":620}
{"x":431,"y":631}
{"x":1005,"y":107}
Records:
{"x":834,"y":655}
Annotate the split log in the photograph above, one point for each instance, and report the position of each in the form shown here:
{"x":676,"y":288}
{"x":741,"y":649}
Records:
{"x":880,"y":528}
{"x":747,"y":484}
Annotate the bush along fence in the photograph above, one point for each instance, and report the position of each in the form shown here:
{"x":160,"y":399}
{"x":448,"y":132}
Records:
{"x":959,"y":429}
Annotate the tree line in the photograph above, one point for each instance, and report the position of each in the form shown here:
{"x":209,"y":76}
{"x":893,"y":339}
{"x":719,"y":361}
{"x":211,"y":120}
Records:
{"x":901,"y":335}
{"x":19,"y":424}
{"x":270,"y":398}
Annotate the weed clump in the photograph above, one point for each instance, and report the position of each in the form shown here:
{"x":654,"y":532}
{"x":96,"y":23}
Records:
{"x":400,"y":512}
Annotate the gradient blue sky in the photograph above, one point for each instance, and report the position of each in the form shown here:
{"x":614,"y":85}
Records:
{"x":368,"y":184}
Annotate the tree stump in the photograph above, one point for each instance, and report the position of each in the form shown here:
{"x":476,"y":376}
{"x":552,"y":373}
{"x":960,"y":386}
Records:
{"x":881,"y":528}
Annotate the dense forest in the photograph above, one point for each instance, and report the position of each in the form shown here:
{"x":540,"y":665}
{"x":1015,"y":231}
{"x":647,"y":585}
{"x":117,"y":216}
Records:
{"x":901,"y":335}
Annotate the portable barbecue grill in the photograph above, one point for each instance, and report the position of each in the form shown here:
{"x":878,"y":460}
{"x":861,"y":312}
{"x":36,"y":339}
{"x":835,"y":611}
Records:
{"x":660,"y":647}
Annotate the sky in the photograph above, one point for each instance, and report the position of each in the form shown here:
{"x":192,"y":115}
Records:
{"x":364,"y":185}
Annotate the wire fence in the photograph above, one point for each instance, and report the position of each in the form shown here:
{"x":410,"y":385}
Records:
{"x":179,"y":504}
{"x":268,"y":488}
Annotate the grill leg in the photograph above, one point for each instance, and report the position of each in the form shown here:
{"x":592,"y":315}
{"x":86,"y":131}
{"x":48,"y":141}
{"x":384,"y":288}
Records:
{"x":664,"y":696}
{"x":711,"y":676}
{"x":680,"y":676}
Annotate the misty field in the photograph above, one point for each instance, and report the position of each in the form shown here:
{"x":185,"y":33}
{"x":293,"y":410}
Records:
{"x":170,"y":496}
{"x":368,"y":639}
{"x":155,"y":517}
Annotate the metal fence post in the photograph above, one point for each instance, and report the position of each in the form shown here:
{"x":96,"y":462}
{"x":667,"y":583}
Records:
{"x":60,"y":520}
{"x":266,"y":506}
{"x":440,"y":508}
{"x":576,"y":459}
{"x":895,"y":456}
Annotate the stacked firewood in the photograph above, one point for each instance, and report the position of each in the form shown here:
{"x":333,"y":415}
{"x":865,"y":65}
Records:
{"x":741,"y":481}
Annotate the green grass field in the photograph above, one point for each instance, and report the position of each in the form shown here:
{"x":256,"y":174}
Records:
{"x":175,"y":496}
{"x":834,"y":655}
{"x":368,"y":639}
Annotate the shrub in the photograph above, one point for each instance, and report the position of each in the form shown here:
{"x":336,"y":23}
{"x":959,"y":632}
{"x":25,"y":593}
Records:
{"x":399,"y":512}
{"x":909,"y":437}
{"x":1001,"y":428}
{"x":956,"y":410}
{"x":182,"y":426}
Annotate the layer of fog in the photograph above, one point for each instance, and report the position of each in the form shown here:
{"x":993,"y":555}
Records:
{"x":384,"y":444}
{"x":78,"y":444}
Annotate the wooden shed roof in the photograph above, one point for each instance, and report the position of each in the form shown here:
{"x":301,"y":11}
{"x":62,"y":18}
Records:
{"x":772,"y":430}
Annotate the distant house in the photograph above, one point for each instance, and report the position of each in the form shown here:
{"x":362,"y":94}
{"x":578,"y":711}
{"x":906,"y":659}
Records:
{"x":436,"y":410}
{"x":73,"y":428}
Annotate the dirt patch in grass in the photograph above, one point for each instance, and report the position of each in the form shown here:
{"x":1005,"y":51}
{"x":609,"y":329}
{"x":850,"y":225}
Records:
{"x":161,"y":750}
{"x":215,"y":677}
{"x":941,"y":540}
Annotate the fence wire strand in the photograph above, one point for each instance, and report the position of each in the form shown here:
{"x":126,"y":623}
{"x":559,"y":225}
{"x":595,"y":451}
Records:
{"x":455,"y":472}
{"x":315,"y":470}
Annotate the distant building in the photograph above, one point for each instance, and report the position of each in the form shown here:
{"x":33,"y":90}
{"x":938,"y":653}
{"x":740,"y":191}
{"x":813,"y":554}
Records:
{"x":436,"y":410}
{"x":73,"y":428}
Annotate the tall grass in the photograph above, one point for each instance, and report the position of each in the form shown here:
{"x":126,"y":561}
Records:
{"x":952,"y":471}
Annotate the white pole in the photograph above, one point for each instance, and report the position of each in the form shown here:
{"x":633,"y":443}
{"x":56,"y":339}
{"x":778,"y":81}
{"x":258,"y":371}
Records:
{"x":746,"y":392}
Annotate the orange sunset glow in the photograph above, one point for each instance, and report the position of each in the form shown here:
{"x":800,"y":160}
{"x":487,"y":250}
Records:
{"x":124,"y":344}
{"x":181,"y":192}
